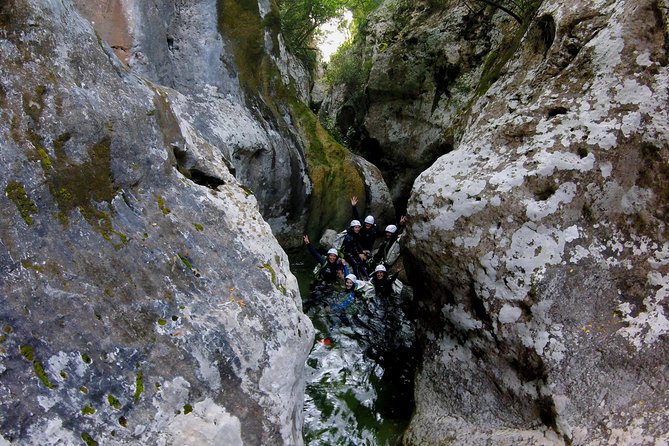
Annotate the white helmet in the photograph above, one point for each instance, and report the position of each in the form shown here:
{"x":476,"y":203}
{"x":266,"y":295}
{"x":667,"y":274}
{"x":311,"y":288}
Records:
{"x":369,"y":219}
{"x":352,"y":278}
{"x":333,"y":251}
{"x":354,"y":223}
{"x":380,"y":268}
{"x":391,"y":228}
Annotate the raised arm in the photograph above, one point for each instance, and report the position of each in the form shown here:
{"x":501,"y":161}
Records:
{"x":319,"y":258}
{"x":354,"y":209}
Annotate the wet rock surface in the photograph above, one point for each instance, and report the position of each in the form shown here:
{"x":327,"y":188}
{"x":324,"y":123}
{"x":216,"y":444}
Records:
{"x":144,"y":300}
{"x":542,"y":241}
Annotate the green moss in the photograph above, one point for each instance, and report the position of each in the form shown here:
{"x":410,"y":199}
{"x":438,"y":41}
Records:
{"x":63,"y":375}
{"x":240,"y":21}
{"x":27,"y":352}
{"x":198,"y":227}
{"x":269,"y":268}
{"x":41,"y":374}
{"x":25,"y":205}
{"x":7,"y":329}
{"x":88,"y":439}
{"x":162,"y":322}
{"x":161,"y":205}
{"x":83,"y":389}
{"x":3,"y":338}
{"x":113,"y":401}
{"x":331,"y":170}
{"x":123,"y":422}
{"x":139,"y":386}
{"x":188,"y":409}
{"x":86,"y":359}
{"x":27,"y":264}
{"x":246,"y":189}
{"x":278,"y":286}
{"x":81,"y":186}
{"x":88,"y":410}
{"x":497,"y":59}
{"x":185,"y":261}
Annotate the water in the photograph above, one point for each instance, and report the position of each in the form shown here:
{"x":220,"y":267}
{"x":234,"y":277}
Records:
{"x":360,"y":370}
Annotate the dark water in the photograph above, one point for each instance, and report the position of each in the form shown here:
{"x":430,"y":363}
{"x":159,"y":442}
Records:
{"x":360,"y":369}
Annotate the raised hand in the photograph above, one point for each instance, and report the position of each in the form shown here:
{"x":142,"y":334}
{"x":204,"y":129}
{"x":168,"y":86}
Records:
{"x":354,"y":200}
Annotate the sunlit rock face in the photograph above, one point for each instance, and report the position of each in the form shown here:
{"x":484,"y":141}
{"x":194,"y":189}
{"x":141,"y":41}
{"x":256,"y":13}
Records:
{"x":143,"y":299}
{"x":542,"y":243}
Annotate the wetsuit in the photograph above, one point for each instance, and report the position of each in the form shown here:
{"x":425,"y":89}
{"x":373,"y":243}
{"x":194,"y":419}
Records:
{"x":352,"y":250}
{"x":384,"y":287}
{"x":329,"y":272}
{"x":367,"y":236}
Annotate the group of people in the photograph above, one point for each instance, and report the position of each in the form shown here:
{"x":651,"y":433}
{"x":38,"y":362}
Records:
{"x":357,"y":256}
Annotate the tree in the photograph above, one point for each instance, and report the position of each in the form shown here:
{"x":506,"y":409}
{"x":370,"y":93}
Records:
{"x":300,"y":20}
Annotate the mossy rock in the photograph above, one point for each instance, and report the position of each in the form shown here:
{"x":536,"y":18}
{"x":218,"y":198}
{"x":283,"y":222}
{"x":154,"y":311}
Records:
{"x":332,"y":171}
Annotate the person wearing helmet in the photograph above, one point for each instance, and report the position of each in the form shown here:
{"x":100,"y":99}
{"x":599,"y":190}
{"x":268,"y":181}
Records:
{"x":391,"y":233}
{"x":383,"y":281}
{"x":353,"y":252}
{"x":368,"y":231}
{"x":331,"y":268}
{"x":352,"y":292}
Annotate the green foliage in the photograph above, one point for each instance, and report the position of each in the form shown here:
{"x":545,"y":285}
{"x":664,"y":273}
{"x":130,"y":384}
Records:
{"x":300,"y":20}
{"x":347,"y":67}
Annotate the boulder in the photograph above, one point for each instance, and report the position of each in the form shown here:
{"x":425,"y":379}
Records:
{"x":143,"y":298}
{"x":541,"y":243}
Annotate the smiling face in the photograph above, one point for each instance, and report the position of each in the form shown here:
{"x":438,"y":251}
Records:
{"x":356,"y":229}
{"x":332,"y":258}
{"x":349,"y":284}
{"x":368,"y":226}
{"x":380,"y":275}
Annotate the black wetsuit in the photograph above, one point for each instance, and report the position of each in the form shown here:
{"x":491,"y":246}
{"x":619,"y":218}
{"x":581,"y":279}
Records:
{"x":352,"y":249}
{"x":367,"y":236}
{"x":383,"y":287}
{"x":328,"y":272}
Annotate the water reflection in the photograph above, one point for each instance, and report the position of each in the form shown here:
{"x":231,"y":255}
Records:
{"x":360,"y":370}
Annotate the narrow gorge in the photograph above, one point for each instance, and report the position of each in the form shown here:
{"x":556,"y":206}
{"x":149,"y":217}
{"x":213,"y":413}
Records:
{"x":160,"y":159}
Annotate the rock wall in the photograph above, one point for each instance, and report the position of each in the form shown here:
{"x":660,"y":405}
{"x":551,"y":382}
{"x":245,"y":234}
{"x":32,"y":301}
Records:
{"x":541,"y":242}
{"x":143,"y":298}
{"x":242,"y":93}
{"x":427,"y":62}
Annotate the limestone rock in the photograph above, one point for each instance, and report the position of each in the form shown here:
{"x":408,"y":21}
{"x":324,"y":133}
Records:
{"x":427,"y":60}
{"x":542,"y":243}
{"x":143,"y":298}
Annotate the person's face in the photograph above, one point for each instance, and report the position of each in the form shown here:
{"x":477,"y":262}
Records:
{"x":349,"y":284}
{"x":380,"y":275}
{"x":368,"y":225}
{"x":332,"y":258}
{"x":356,"y":229}
{"x":389,"y":234}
